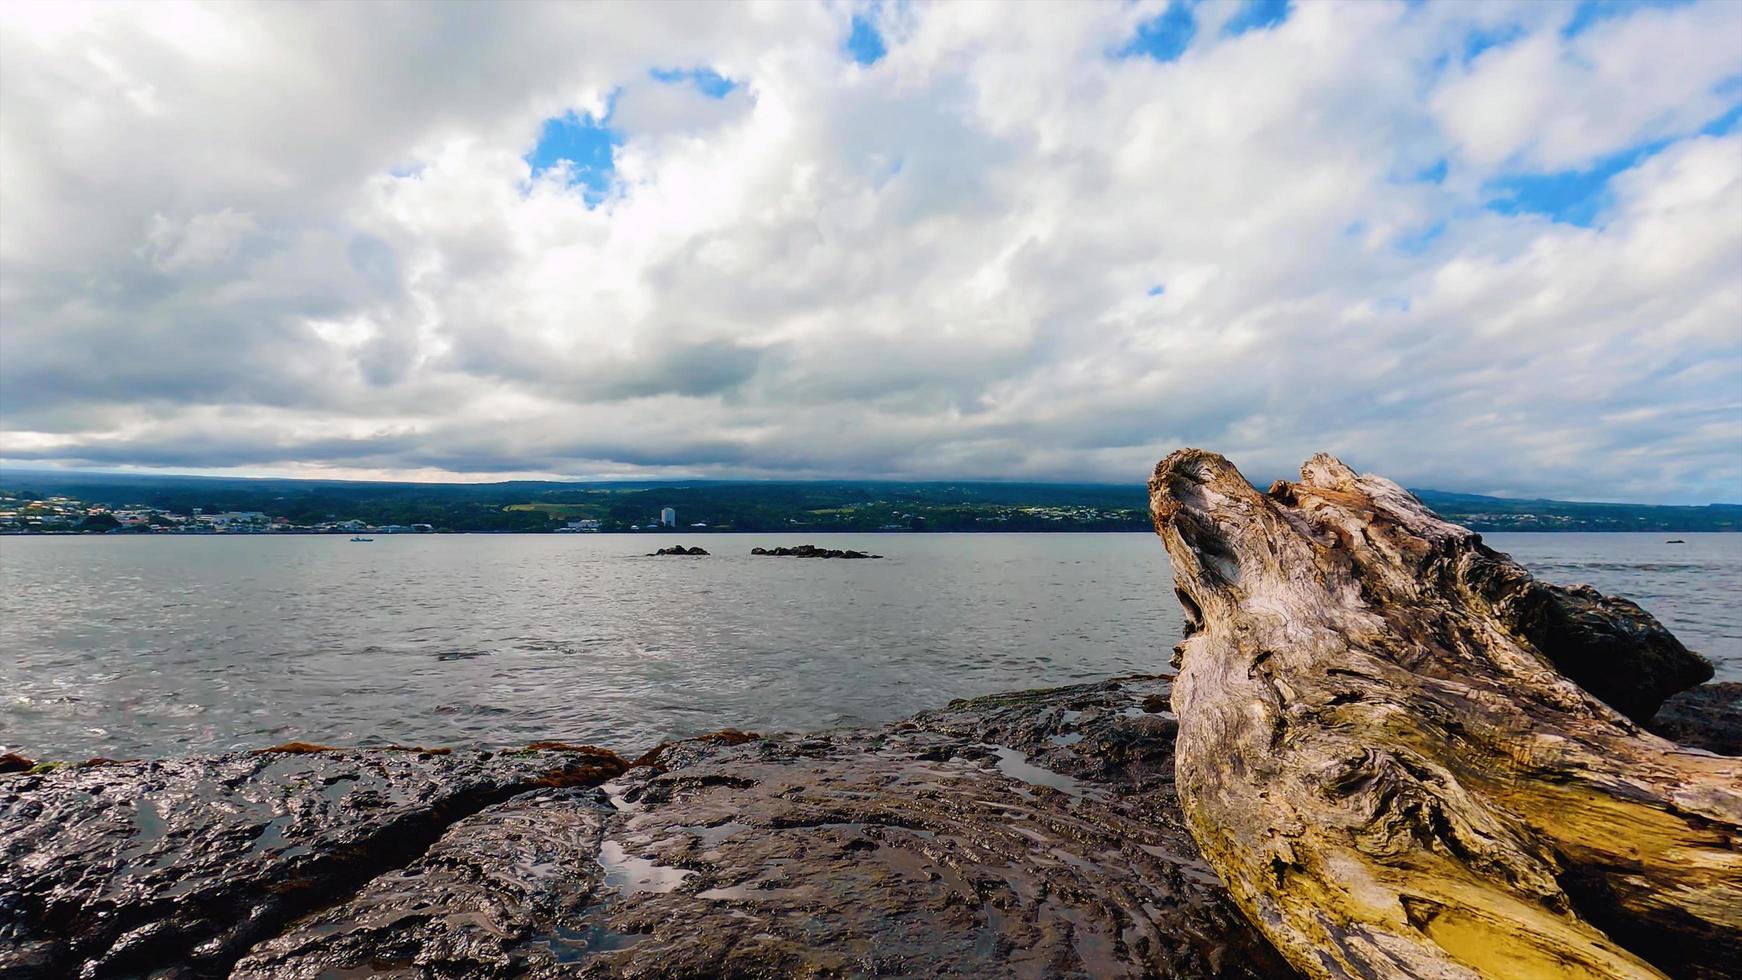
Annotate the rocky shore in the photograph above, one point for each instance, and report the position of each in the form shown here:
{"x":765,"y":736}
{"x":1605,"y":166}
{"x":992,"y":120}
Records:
{"x":1344,"y":656}
{"x":1033,"y":834}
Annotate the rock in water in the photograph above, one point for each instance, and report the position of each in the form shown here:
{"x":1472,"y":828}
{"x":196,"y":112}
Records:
{"x":1378,"y":754}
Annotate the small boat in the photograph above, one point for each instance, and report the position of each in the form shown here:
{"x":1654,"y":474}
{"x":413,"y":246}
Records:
{"x":363,"y":539}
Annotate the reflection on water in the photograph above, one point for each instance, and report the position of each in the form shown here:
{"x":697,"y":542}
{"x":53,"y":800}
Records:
{"x":154,"y":646}
{"x":631,"y":875}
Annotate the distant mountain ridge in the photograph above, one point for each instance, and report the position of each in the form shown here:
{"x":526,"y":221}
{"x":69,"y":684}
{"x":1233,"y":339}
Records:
{"x":819,"y":505}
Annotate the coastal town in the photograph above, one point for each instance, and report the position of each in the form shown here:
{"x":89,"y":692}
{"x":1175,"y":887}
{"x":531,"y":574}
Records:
{"x":42,"y":504}
{"x":31,"y":514}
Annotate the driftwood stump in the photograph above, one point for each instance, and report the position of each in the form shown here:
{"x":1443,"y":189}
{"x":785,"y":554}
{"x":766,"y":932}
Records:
{"x":1384,"y":753}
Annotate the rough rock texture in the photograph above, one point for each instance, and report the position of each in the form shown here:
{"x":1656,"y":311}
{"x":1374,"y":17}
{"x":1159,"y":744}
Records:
{"x":1377,"y":752}
{"x":503,"y":890}
{"x":119,"y":869}
{"x":1033,"y":834}
{"x":1708,"y":717}
{"x":678,"y":549}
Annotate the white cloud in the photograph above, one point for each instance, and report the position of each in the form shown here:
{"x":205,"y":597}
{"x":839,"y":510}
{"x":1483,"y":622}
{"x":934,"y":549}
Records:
{"x":1549,"y":103}
{"x":289,"y":237}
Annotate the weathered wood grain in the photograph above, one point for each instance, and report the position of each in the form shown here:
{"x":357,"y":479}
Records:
{"x":1382,"y":753}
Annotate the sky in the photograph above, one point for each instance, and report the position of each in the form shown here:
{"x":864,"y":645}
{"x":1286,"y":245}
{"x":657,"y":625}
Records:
{"x":1480,"y":246}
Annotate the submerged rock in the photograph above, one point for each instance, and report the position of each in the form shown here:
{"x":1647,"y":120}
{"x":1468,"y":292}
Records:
{"x":1380,"y":753}
{"x":1033,"y":834}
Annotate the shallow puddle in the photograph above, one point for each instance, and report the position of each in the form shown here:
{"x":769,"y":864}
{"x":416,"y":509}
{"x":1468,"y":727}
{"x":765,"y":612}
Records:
{"x":1016,"y":765}
{"x":571,"y":945}
{"x":631,"y":875}
{"x":709,"y":836}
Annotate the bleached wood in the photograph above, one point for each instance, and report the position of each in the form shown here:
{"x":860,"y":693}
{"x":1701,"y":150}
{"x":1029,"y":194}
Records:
{"x":1394,"y":780}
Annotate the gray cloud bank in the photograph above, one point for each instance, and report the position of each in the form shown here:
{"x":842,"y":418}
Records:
{"x":305,"y":239}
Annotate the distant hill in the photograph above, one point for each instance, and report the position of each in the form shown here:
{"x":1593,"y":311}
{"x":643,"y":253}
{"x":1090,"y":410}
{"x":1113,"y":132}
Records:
{"x":831,"y":505}
{"x":1509,"y":514}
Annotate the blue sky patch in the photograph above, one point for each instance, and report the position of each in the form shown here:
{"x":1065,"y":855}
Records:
{"x":865,"y":45}
{"x":587,"y":143}
{"x":1164,"y":37}
{"x":1157,"y":289}
{"x":1576,"y":197}
{"x":705,"y":80}
{"x":1570,"y":197}
{"x":1479,"y":41}
{"x":1573,"y":197}
{"x":1726,"y":124}
{"x":1592,"y":12}
{"x":1257,"y":15}
{"x":1417,"y":242}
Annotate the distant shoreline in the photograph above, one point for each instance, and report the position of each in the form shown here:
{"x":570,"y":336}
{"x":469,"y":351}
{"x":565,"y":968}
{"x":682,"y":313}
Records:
{"x":710,"y":533}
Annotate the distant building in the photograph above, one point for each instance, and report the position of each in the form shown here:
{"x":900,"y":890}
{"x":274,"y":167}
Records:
{"x":246,"y":520}
{"x":585,"y":525}
{"x":668,"y":517}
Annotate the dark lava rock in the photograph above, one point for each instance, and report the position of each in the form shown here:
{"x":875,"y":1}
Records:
{"x":128,"y":868}
{"x":1707,"y":717}
{"x":1024,"y":835}
{"x":1609,"y":645}
{"x":1032,"y":834}
{"x":502,"y":892}
{"x":810,"y":551}
{"x":678,"y":549}
{"x":923,"y":849}
{"x":13,"y":762}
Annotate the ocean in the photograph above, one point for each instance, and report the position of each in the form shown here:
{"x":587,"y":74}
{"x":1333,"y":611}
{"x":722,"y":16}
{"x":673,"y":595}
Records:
{"x":153,"y":646}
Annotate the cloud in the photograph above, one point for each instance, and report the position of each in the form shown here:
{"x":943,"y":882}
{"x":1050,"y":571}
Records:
{"x":293,"y":238}
{"x":1547,"y":102}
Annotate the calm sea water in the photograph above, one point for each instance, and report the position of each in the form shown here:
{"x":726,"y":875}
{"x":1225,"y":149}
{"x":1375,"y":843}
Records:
{"x":158,"y":646}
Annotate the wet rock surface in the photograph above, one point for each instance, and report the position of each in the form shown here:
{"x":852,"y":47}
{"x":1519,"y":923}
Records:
{"x":810,"y":551}
{"x":1707,"y":717}
{"x":1032,"y":834}
{"x":680,"y":550}
{"x":127,"y":868}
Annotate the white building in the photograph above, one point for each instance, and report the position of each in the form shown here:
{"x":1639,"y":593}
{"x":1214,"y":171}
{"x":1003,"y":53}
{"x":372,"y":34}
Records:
{"x":668,"y":517}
